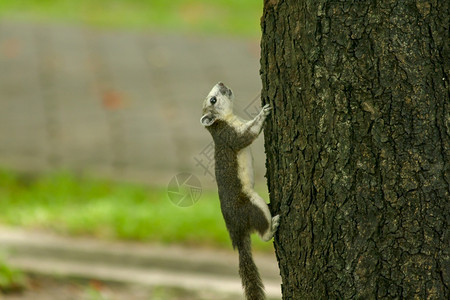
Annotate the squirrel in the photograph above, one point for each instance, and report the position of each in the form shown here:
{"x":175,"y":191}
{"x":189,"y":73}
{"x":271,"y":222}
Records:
{"x":243,"y":210}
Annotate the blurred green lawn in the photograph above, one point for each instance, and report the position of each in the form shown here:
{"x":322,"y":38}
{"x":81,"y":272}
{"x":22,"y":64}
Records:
{"x":69,"y":205}
{"x":235,"y":17}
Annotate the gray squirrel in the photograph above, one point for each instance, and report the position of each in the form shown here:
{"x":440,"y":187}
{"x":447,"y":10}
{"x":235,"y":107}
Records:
{"x":243,"y":210}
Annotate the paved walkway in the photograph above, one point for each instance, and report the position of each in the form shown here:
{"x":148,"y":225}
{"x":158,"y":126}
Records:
{"x":151,"y":265}
{"x":119,"y":104}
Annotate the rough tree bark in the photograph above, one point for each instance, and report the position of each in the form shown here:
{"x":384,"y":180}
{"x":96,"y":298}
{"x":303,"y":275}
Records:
{"x":358,"y":146}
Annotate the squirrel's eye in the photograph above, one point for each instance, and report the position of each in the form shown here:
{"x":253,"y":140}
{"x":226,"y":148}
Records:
{"x":213,"y":100}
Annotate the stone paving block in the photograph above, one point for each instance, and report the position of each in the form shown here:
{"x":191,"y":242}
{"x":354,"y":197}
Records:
{"x":23,"y":131}
{"x":139,"y":119}
{"x":83,"y":130}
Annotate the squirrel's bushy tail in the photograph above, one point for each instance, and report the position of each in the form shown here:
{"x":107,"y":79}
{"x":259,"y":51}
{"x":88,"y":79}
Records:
{"x":251,"y":281}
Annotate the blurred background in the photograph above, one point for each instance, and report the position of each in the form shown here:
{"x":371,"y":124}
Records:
{"x":102,"y":155}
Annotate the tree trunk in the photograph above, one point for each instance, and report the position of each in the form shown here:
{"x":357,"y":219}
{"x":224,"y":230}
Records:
{"x":358,"y":146}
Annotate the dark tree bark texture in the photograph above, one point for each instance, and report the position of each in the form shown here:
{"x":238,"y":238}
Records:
{"x":358,"y":146}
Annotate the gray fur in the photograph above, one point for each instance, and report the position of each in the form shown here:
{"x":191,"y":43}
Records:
{"x":242,"y":214}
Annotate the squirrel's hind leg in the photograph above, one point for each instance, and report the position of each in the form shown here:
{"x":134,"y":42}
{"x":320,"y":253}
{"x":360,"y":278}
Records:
{"x":262,"y":215}
{"x":268,"y":235}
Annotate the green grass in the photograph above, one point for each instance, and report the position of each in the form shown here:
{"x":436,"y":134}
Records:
{"x":11,"y":280}
{"x":201,"y":16}
{"x":69,"y":205}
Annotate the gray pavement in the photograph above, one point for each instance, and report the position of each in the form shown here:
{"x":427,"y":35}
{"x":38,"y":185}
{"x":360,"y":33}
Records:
{"x":132,"y":263}
{"x":117,"y":104}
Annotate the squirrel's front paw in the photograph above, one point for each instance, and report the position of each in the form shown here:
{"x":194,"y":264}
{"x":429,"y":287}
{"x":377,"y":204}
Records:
{"x":266,"y":110}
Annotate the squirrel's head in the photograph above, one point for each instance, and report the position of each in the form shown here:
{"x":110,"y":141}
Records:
{"x":217,"y":105}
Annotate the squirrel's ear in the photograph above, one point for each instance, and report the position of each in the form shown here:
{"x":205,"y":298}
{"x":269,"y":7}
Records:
{"x":230,"y":94}
{"x":208,"y":119}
